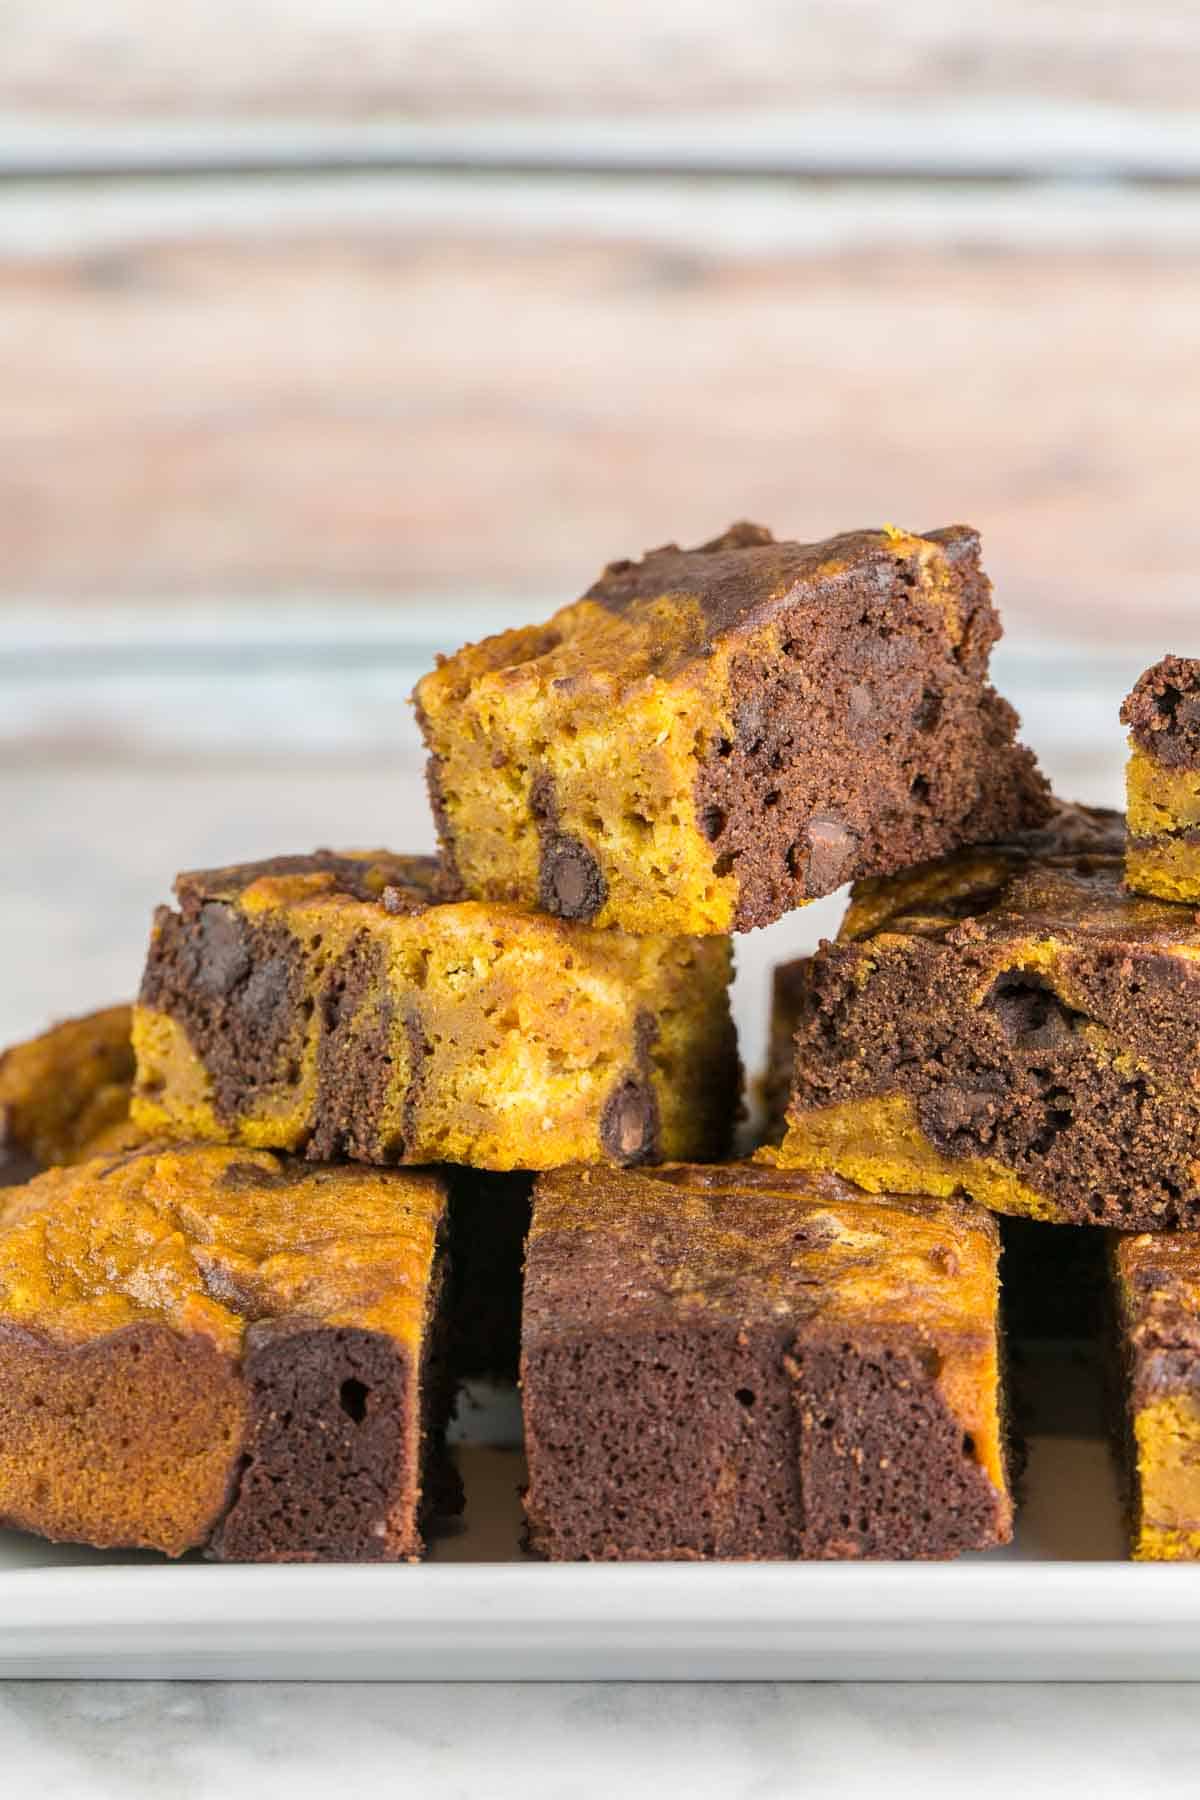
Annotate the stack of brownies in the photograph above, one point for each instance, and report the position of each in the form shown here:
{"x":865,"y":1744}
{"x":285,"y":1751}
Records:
{"x":256,"y":1233}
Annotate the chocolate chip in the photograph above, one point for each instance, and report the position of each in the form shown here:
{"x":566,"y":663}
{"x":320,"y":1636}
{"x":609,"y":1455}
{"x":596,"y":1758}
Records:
{"x":629,"y":1123}
{"x":822,"y":861}
{"x":221,"y":950}
{"x":570,"y":882}
{"x":956,"y":1118}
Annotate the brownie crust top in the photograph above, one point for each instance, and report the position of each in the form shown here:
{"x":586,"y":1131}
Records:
{"x":747,"y":1243}
{"x":211,"y":1240}
{"x":1163,"y":712}
{"x":404,"y":884}
{"x":740,"y":580}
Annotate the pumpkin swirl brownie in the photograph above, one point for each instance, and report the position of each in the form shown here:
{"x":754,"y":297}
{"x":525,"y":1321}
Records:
{"x":64,"y":1096}
{"x":1052,"y":1281}
{"x":741,"y":1363}
{"x":222,"y":1348}
{"x":1162,"y":780}
{"x":1156,"y":1287}
{"x":1014,"y":1023}
{"x":341,"y":1006}
{"x":711,"y":737}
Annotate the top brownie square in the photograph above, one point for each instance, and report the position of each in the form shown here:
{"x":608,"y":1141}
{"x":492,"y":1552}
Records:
{"x":711,"y":737}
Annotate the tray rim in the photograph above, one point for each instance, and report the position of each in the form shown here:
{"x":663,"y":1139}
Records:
{"x":670,"y":1621}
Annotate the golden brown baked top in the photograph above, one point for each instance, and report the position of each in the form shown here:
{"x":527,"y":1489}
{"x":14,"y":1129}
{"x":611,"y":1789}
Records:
{"x":650,"y":619}
{"x":405,"y":884}
{"x":68,"y":1090}
{"x":208,"y":1240}
{"x":754,"y":1242}
{"x":303,"y":1011}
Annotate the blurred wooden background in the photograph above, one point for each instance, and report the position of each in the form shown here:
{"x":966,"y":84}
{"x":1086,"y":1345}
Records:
{"x":333,"y":333}
{"x":390,"y":303}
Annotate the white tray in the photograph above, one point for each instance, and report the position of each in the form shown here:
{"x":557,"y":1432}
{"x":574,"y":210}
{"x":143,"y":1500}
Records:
{"x":1059,"y":1605}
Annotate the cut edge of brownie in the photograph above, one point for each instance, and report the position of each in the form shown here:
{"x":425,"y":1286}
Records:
{"x":957,"y":744}
{"x":1152,"y":1361}
{"x":832,"y":1446}
{"x":345,"y":1457}
{"x":53,"y":1391}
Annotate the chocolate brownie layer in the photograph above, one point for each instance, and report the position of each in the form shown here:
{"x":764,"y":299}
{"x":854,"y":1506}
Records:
{"x":1163,"y":781}
{"x":1163,"y":712}
{"x":356,"y":1016}
{"x":1010,"y":1022}
{"x":726,"y":1362}
{"x":713,"y":736}
{"x":221,"y":1348}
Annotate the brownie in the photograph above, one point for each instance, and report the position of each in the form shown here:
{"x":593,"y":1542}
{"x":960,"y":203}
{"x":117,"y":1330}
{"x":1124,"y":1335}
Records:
{"x":1051,"y":1277}
{"x":489,"y":1221}
{"x":340,"y":1006}
{"x":226,"y":1349}
{"x":1162,"y":856}
{"x":711,"y":737}
{"x":65,"y":1094}
{"x":736,"y":1363}
{"x":1156,"y":1294}
{"x":1014,"y":1023}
